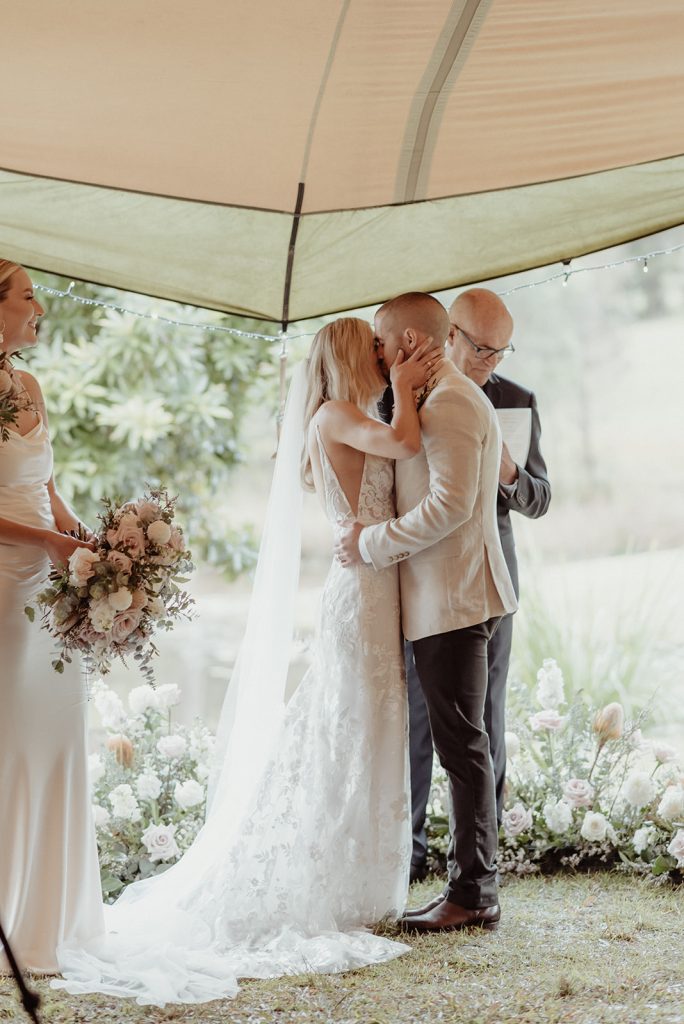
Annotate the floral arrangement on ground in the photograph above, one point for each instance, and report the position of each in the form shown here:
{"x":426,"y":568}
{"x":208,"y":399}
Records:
{"x":148,"y":784}
{"x":584,"y":789}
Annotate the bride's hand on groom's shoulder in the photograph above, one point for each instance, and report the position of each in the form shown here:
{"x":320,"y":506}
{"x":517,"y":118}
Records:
{"x":415,"y":371}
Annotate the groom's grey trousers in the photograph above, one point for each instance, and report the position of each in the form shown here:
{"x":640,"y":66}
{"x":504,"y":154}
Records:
{"x":452,"y":668}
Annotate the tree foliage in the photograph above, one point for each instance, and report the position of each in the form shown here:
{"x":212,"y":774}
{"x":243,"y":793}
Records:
{"x":137,"y":403}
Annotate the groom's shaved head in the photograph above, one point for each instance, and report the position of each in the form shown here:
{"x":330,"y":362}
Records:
{"x":416,"y":311}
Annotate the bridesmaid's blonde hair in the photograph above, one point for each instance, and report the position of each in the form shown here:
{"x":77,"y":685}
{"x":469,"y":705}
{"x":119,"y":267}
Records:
{"x":7,"y":268}
{"x":340,"y":367}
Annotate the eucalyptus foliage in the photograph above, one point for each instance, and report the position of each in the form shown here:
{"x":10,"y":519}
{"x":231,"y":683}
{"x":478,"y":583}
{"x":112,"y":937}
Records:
{"x":137,"y":403}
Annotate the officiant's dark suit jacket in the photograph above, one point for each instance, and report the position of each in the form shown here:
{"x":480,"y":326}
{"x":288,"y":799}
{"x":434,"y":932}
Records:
{"x":530,"y":495}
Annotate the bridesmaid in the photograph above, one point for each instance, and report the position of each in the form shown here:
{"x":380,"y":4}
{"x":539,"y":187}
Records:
{"x":49,"y":877}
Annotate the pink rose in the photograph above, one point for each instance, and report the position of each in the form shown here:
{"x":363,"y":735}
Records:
{"x":148,"y":512}
{"x":140,"y":599}
{"x":546,"y":719}
{"x":120,"y":561}
{"x":81,"y":566}
{"x":579,"y":793}
{"x":124,"y":624}
{"x":176,"y":540}
{"x":128,"y":535}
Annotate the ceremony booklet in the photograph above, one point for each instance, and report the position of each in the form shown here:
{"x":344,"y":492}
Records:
{"x":516,"y":430}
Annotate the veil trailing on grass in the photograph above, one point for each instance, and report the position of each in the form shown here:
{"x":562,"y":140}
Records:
{"x":255,"y":700}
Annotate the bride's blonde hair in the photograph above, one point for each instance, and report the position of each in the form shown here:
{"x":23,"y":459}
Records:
{"x":340,"y":367}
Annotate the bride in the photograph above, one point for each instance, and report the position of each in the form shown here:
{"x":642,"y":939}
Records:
{"x":307,"y":842}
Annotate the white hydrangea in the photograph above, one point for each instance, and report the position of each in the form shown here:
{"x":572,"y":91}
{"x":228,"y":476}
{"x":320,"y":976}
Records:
{"x":171,"y":747}
{"x":109,"y":707}
{"x":550,"y":689}
{"x":643,"y":838}
{"x":594,"y":827}
{"x":141,"y":698}
{"x":188,"y":794}
{"x":101,"y":816}
{"x":148,"y":786}
{"x":159,"y":842}
{"x":202,"y":771}
{"x":639,"y":789}
{"x":671,"y":806}
{"x":123,"y":803}
{"x":558,"y":816}
{"x":168,"y":696}
{"x":96,"y":769}
{"x":512,"y":745}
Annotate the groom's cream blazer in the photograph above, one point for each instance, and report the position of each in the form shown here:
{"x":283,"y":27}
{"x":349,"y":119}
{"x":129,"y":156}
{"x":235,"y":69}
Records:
{"x":452,"y":570}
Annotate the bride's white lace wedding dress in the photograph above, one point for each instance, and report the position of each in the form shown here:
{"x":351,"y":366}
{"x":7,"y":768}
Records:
{"x":323,"y":851}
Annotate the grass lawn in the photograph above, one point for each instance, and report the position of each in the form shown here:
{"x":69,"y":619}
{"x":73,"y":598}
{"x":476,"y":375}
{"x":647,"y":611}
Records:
{"x":581,"y":949}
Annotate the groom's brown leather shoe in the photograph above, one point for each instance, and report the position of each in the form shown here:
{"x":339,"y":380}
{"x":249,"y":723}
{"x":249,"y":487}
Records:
{"x":446,"y":917}
{"x":419,"y":911}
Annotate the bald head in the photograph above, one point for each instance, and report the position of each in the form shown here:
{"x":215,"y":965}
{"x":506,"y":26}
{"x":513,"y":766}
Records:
{"x":478,"y":317}
{"x":417,"y":311}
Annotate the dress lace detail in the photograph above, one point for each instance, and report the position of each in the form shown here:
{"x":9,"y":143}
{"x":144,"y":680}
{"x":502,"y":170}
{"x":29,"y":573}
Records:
{"x":323,"y":852}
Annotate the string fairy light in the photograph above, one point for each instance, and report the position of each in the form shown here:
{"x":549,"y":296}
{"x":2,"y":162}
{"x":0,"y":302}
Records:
{"x":283,"y":337}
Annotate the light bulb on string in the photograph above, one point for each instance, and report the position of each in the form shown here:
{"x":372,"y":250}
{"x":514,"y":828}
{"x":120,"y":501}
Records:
{"x":645,"y":266}
{"x":566,"y":278}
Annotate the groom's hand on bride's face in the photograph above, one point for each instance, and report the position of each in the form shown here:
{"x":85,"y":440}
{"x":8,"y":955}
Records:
{"x":347,"y":546}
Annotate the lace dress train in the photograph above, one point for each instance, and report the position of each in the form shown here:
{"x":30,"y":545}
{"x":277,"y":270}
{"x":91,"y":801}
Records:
{"x":323,"y":852}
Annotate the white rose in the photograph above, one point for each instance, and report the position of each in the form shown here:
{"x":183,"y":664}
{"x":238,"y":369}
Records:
{"x":141,"y":698}
{"x":578,"y":793}
{"x":123,"y":803}
{"x":101,"y":816}
{"x":148,"y":786}
{"x":638,"y":789}
{"x":663,"y":752}
{"x":159,"y":842}
{"x":188,"y":794}
{"x":550,"y":691}
{"x":202,"y":771}
{"x":676,"y":848}
{"x":101,"y":614}
{"x":547,"y":719}
{"x":96,"y":769}
{"x":168,"y":695}
{"x":109,"y":708}
{"x":512,"y":745}
{"x":643,"y":837}
{"x":517,"y":820}
{"x":121,"y":599}
{"x":6,"y":384}
{"x":159,"y":532}
{"x":558,"y":816}
{"x":81,"y":562}
{"x":671,"y":806}
{"x":171,"y":747}
{"x":594,"y":827}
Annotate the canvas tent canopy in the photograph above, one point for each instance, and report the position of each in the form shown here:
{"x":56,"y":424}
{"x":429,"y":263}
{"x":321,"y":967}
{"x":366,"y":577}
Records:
{"x":284,"y":160}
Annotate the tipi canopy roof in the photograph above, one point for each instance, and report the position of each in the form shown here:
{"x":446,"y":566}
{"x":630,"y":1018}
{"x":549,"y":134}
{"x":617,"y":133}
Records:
{"x":283,"y":160}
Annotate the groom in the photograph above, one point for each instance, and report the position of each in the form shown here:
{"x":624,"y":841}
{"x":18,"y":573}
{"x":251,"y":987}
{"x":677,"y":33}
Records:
{"x":454,"y":588}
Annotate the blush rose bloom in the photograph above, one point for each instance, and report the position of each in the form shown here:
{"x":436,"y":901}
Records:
{"x":159,"y":532}
{"x":578,"y":793}
{"x":159,"y":842}
{"x":81,"y":566}
{"x":128,"y":535}
{"x":517,"y":820}
{"x":594,"y":827}
{"x":124,"y":624}
{"x":120,"y":561}
{"x":148,"y":512}
{"x":676,"y":847}
{"x":176,"y":540}
{"x":139,"y":599}
{"x":547,"y":719}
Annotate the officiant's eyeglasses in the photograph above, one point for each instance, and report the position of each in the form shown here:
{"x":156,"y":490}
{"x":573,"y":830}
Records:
{"x":483,"y":351}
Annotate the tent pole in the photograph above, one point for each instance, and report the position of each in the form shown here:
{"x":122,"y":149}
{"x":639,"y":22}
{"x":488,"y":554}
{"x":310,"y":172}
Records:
{"x":285,"y":319}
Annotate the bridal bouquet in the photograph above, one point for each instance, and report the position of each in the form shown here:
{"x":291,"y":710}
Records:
{"x":109,"y":602}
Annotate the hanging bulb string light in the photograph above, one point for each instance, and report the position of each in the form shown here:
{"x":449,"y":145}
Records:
{"x":563,"y":275}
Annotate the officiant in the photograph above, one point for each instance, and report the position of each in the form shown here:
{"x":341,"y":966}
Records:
{"x":479,"y":340}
